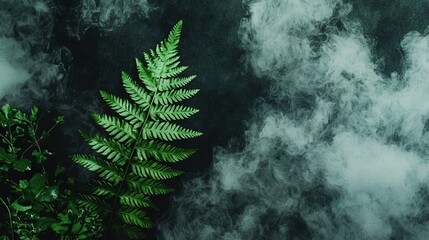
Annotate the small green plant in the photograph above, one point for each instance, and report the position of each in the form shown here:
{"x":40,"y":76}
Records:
{"x":133,"y":160}
{"x":34,"y":202}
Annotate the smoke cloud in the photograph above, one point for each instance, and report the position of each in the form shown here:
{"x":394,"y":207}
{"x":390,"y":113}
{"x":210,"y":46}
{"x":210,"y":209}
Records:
{"x":106,"y":15}
{"x":31,"y":65}
{"x":338,"y":150}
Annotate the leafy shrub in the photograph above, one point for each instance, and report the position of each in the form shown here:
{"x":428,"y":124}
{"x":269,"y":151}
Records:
{"x":36,"y":203}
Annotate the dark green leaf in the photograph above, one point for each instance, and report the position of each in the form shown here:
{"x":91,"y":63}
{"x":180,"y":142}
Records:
{"x":59,"y":170}
{"x":48,"y":194}
{"x":34,"y":111}
{"x":59,"y":119}
{"x":37,"y":183}
{"x":23,"y":184}
{"x":6,"y":110}
{"x":22,"y":165}
{"x":5,"y":157}
{"x":39,"y":156}
{"x":20,"y":208}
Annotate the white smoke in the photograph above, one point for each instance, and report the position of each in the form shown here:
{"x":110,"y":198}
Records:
{"x":106,"y":15}
{"x":30,"y":65}
{"x":341,"y":153}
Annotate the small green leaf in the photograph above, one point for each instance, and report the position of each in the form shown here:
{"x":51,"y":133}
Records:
{"x":23,"y":184}
{"x":76,"y":227}
{"x":64,"y":218}
{"x":48,"y":194}
{"x":22,"y":165}
{"x":4,"y":167}
{"x":40,"y":157}
{"x":21,"y":116}
{"x":20,"y":208}
{"x":4,"y":156}
{"x":44,"y":222}
{"x":19,"y":130}
{"x":37,"y":183}
{"x":59,"y":119}
{"x":34,"y":111}
{"x":6,"y":110}
{"x":59,"y":170}
{"x":58,"y":228}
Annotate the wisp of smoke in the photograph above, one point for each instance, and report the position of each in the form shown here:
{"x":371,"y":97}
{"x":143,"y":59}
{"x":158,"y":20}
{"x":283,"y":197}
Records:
{"x":340,"y":150}
{"x":106,"y":15}
{"x":31,"y":66}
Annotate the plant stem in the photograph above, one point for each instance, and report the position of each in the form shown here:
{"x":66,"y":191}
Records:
{"x":128,"y":164}
{"x":10,"y":218}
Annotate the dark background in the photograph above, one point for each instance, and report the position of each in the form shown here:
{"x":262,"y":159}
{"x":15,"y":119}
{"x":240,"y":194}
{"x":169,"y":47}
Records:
{"x":210,"y":46}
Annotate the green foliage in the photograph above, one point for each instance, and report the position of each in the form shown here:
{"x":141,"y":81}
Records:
{"x":35,"y":203}
{"x":134,"y":158}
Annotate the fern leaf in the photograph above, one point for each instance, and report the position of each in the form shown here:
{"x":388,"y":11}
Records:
{"x":145,"y":76}
{"x":125,"y":109}
{"x":174,"y":83}
{"x":137,"y":200}
{"x":106,"y":170}
{"x":172,"y":61}
{"x":174,"y":71}
{"x":173,"y":39}
{"x":167,"y":131}
{"x":153,"y":170}
{"x":161,"y":151}
{"x":111,"y":149}
{"x":135,"y":216}
{"x":147,"y":186}
{"x":150,"y":62}
{"x":172,"y":112}
{"x":118,"y":129}
{"x":89,"y":162}
{"x":163,"y":63}
{"x":173,"y":96}
{"x":132,"y":158}
{"x":91,"y":202}
{"x":137,"y":93}
{"x":103,"y":188}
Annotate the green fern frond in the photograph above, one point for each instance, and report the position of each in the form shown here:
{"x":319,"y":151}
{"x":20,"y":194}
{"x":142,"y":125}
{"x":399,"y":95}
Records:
{"x":124,"y":108}
{"x":154,"y":170}
{"x":105,"y":169}
{"x":111,"y":149}
{"x":145,"y":76}
{"x":137,"y":200}
{"x":103,"y":188}
{"x":162,"y":62}
{"x":167,"y":131}
{"x":135,"y":216}
{"x":173,"y":72}
{"x":89,"y":162}
{"x":91,"y":202}
{"x":137,"y":93}
{"x":132,"y":159}
{"x":147,"y":186}
{"x":174,"y":83}
{"x":174,"y":96}
{"x":172,"y":112}
{"x":117,"y":128}
{"x":162,"y":151}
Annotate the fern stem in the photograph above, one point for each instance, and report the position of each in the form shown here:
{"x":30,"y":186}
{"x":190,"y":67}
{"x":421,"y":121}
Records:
{"x":133,"y":149}
{"x":10,"y":218}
